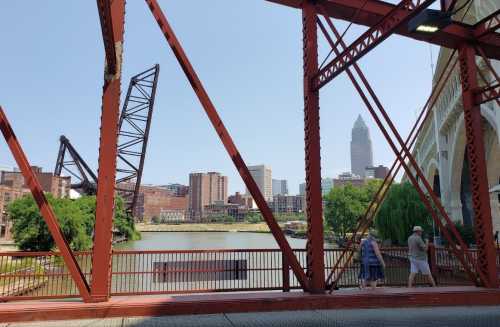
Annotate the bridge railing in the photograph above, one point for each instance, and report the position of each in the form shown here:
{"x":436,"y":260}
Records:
{"x":35,"y":275}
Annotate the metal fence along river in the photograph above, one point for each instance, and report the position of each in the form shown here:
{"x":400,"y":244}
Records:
{"x":35,"y":275}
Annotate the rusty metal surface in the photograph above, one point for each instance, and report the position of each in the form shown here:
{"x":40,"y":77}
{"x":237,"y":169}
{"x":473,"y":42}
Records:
{"x":477,"y":163}
{"x":101,"y":265}
{"x":44,"y":206}
{"x":314,"y":199}
{"x":226,"y":139}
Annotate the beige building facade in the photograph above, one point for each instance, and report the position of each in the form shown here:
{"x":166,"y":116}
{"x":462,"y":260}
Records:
{"x":263,"y":176}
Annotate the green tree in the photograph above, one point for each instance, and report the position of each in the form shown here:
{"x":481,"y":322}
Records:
{"x":75,"y":217}
{"x":31,"y":233}
{"x":344,"y":206}
{"x":401,"y":210}
{"x":254,"y":218}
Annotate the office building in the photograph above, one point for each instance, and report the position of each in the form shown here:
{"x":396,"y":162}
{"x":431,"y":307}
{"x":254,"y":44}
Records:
{"x":280,"y":187}
{"x":361,"y":148}
{"x":288,"y":204}
{"x":379,"y":172}
{"x":263,"y":177}
{"x":302,"y":189}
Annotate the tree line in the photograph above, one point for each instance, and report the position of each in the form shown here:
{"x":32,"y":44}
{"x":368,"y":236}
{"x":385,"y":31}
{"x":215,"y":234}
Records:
{"x":76,"y":219}
{"x":401,"y":209}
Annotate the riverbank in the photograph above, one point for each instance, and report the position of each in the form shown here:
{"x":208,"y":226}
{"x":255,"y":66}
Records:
{"x":216,"y":227}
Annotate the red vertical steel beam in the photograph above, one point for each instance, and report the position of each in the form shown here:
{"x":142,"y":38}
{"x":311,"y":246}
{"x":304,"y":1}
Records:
{"x":227,"y":141}
{"x":461,"y":252}
{"x":314,"y":209}
{"x":103,"y":235}
{"x":478,"y":171}
{"x":372,"y":209}
{"x":44,"y":206}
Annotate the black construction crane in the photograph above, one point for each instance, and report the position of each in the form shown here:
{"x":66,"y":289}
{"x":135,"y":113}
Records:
{"x":134,"y":125}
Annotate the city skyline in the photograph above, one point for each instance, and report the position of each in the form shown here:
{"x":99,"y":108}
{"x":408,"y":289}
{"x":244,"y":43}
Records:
{"x":181,"y":138}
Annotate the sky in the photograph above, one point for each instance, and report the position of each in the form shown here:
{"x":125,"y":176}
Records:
{"x":248,"y":54}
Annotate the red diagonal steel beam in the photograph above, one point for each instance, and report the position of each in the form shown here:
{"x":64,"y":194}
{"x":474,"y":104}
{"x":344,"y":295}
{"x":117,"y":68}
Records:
{"x":44,"y":206}
{"x":487,"y":25}
{"x":370,"y":12}
{"x":103,"y":235}
{"x":490,"y":91}
{"x":486,"y":94}
{"x":372,"y":209}
{"x":106,"y":18}
{"x":396,"y":18}
{"x":227,"y":141}
{"x":463,"y":254}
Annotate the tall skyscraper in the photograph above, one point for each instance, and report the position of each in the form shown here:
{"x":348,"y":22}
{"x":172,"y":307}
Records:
{"x":280,"y":187}
{"x":361,"y":148}
{"x":205,"y":189}
{"x":262,"y":175}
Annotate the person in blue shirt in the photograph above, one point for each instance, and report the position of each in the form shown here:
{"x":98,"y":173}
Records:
{"x":372,"y":263}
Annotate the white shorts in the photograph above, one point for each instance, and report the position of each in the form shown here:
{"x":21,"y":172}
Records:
{"x":419,"y":266}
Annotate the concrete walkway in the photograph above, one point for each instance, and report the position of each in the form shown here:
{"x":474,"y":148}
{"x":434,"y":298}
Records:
{"x":428,"y":317}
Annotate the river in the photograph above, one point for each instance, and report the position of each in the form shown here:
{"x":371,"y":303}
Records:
{"x":206,"y":240}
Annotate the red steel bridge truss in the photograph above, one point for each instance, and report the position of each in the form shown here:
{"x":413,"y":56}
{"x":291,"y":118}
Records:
{"x":382,"y":19}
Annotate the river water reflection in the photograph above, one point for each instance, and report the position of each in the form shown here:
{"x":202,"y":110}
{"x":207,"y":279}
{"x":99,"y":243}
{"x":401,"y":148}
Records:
{"x":206,"y":240}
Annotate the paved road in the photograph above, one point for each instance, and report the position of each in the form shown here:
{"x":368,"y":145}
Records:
{"x":426,"y":317}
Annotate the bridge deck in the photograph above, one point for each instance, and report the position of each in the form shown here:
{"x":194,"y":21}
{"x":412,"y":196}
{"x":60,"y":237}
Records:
{"x":247,"y":302}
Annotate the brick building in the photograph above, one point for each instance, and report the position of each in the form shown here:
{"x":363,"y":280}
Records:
{"x":205,"y":189}
{"x":7,"y":195}
{"x":155,"y":201}
{"x":58,"y":186}
{"x":241,"y":199}
{"x":379,"y":172}
{"x":288,"y":204}
{"x":217,"y":210}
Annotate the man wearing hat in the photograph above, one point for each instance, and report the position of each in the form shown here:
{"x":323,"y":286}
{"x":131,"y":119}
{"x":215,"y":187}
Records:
{"x":417,"y":253}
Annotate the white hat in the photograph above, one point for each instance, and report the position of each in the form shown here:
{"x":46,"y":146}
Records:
{"x":417,"y":229}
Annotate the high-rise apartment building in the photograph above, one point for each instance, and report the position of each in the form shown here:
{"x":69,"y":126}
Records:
{"x":262,"y":175}
{"x":280,"y":187}
{"x":361,"y":148}
{"x":205,"y":189}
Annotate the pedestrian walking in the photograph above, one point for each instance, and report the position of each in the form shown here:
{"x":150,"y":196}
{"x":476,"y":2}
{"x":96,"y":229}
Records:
{"x":417,"y":253}
{"x":372,"y":264}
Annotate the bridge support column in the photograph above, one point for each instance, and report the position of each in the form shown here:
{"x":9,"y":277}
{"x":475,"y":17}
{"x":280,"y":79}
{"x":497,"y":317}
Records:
{"x":315,"y":240}
{"x":476,"y":155}
{"x":103,"y":234}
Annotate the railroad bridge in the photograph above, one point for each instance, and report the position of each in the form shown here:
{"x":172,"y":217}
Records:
{"x":107,"y":283}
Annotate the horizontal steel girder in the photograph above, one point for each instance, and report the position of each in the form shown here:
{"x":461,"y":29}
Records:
{"x":370,"y":12}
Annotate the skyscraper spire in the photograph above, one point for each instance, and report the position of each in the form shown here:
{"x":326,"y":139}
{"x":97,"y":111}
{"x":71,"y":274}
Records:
{"x":361,"y":147}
